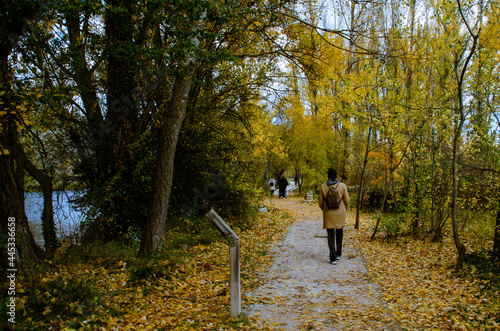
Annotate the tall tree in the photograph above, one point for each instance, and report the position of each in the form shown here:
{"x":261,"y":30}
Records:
{"x":15,"y":16}
{"x":236,"y":20}
{"x":175,"y":113}
{"x":460,"y":71}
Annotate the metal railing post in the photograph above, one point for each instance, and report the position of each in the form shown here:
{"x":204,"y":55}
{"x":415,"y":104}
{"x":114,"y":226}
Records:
{"x":234,"y":259}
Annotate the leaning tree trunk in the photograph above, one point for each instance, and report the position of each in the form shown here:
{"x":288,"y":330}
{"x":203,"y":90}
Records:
{"x":154,"y":228}
{"x":460,"y":72}
{"x":361,"y":181}
{"x":384,"y":200}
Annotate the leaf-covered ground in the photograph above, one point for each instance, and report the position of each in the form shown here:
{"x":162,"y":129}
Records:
{"x":421,"y":287}
{"x":191,"y":293}
{"x":415,"y":278}
{"x":304,"y":291}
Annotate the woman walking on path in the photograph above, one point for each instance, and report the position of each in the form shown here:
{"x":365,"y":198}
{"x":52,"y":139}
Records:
{"x":272,"y":185}
{"x":334,"y":216}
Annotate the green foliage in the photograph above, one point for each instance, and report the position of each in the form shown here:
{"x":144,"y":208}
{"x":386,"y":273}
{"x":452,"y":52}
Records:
{"x":74,"y":294}
{"x":238,"y":322}
{"x":132,"y":239}
{"x":313,"y":178}
{"x":104,"y":254}
{"x":150,"y":270}
{"x":188,"y":232}
{"x":395,"y":225}
{"x":122,"y":77}
{"x":483,"y":269}
{"x":486,"y":268}
{"x":115,"y":138}
{"x":116,"y":203}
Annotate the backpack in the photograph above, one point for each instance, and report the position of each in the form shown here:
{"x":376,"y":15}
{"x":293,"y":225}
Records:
{"x":333,"y":198}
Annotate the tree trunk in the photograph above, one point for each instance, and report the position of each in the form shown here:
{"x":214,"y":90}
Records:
{"x":153,"y":230}
{"x":82,"y":74}
{"x":122,"y":113}
{"x":456,"y":140}
{"x":433,"y":183}
{"x":386,"y":191}
{"x":13,"y":220}
{"x":345,"y":133}
{"x":297,"y":175}
{"x":361,"y":181}
{"x":26,"y":254}
{"x":454,"y":205}
{"x":45,"y":181}
{"x":496,"y":240}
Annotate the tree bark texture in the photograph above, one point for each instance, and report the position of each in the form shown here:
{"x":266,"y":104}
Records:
{"x":154,"y":228}
{"x":27,"y":253}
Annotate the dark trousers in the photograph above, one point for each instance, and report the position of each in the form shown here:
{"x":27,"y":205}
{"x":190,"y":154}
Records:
{"x":335,"y":237}
{"x":283,"y":192}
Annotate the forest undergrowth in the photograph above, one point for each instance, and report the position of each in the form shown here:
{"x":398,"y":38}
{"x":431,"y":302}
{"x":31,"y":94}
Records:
{"x":419,"y":282}
{"x":187,"y":287}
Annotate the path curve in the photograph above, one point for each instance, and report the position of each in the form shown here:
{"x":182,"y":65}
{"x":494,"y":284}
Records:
{"x":302,"y":291}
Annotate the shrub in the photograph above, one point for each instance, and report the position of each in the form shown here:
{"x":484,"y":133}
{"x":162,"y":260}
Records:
{"x":71,"y":293}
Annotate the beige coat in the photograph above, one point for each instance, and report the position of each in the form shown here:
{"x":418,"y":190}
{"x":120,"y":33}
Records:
{"x":334,"y":218}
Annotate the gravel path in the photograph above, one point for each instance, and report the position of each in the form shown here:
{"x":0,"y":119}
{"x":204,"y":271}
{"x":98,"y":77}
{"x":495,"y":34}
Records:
{"x":304,"y":292}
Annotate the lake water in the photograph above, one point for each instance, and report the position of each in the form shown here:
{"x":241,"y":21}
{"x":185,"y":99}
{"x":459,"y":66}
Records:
{"x":66,"y":218}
